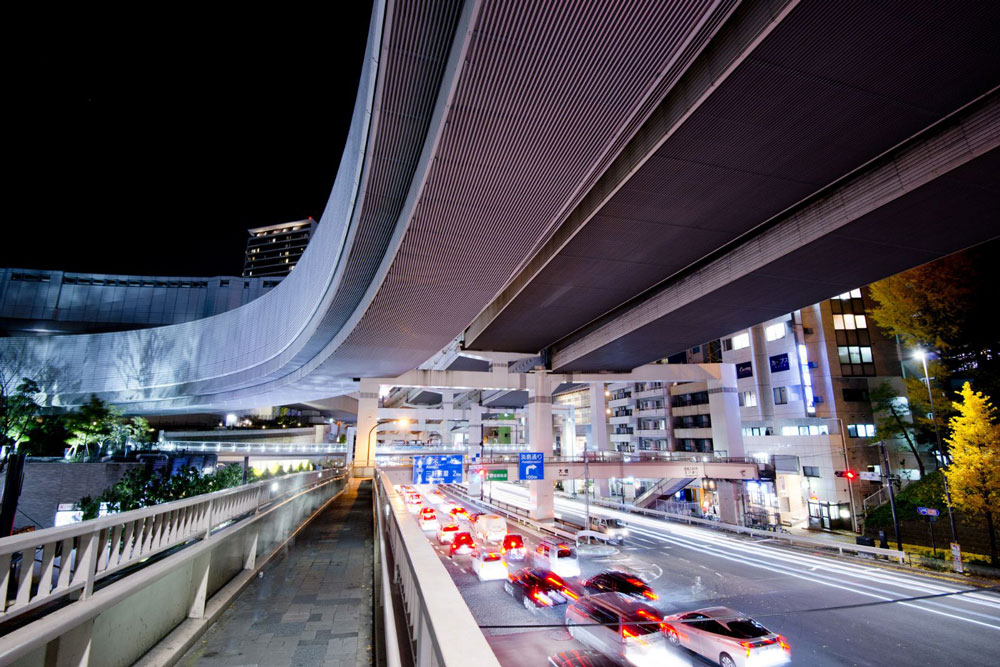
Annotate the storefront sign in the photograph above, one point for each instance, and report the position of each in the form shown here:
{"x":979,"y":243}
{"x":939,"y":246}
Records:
{"x":744,"y":370}
{"x":779,"y":362}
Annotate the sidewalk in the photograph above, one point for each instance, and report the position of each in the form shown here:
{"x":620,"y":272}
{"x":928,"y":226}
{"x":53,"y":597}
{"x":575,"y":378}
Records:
{"x":312,"y":604}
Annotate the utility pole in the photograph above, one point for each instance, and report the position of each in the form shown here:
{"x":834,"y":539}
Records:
{"x":937,"y":437}
{"x":892,"y":495}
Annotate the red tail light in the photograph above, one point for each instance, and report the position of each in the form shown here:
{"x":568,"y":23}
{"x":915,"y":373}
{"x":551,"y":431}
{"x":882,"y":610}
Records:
{"x":651,"y":595}
{"x":541,"y":599}
{"x":784,"y":643}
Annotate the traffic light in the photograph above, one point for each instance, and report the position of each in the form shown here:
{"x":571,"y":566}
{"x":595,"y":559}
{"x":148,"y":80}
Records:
{"x":849,"y":474}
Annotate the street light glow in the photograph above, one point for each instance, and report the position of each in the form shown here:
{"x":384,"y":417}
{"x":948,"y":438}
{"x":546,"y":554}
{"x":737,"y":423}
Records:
{"x":403,"y":422}
{"x":919,"y":355}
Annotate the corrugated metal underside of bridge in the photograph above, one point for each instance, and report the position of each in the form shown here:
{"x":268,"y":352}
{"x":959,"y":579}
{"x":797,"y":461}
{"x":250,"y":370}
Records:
{"x":831,"y":87}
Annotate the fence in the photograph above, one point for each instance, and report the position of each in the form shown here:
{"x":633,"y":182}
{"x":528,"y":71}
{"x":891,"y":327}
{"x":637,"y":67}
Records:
{"x":140,"y":574}
{"x":440,"y":626}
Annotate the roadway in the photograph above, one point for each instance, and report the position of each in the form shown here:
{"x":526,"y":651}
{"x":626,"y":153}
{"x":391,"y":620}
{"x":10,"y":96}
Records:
{"x":789,"y":591}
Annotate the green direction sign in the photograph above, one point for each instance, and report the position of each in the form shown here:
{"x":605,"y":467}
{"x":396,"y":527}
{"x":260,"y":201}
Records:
{"x":496,"y":475}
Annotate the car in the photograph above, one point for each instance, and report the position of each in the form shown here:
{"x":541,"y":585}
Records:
{"x":513,"y":547}
{"x":556,"y":556}
{"x":462,"y":544}
{"x":413,"y":502}
{"x":614,"y":581}
{"x":488,"y":565}
{"x":490,"y":528}
{"x":727,"y":637}
{"x":459,"y":513}
{"x":427,"y":518}
{"x":622,"y":628}
{"x":446,"y":533}
{"x":581,"y":659}
{"x":535,"y":588}
{"x":616,"y":530}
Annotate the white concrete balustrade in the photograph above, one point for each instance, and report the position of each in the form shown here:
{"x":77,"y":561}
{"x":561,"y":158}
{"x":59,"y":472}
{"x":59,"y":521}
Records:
{"x":215,"y":535}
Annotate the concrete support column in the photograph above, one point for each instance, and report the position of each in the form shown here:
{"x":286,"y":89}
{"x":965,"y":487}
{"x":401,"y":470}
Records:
{"x":761,"y":372}
{"x":724,"y":410}
{"x":365,"y":439}
{"x":729,"y":502}
{"x":599,"y":440}
{"x":540,"y":440}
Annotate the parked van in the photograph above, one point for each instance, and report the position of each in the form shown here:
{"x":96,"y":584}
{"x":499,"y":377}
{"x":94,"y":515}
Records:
{"x":629,"y":630}
{"x":558,"y":557}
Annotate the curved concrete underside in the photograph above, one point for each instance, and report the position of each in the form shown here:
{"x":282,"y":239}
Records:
{"x":474,"y":127}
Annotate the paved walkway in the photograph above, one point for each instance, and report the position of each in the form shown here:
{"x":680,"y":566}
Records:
{"x":311,"y":605}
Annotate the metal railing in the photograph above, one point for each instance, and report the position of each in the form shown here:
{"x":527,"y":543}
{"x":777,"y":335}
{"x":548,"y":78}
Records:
{"x":68,"y":564}
{"x":441,"y":629}
{"x":244,"y":447}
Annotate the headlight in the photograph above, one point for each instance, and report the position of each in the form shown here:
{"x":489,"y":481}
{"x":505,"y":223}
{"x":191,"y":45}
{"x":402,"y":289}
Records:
{"x":624,"y":531}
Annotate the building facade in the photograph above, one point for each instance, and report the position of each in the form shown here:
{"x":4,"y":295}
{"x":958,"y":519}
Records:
{"x":276,"y":249}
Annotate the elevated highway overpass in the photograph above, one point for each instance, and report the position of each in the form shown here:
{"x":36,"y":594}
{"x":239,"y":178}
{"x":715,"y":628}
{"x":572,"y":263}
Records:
{"x":608,"y":202}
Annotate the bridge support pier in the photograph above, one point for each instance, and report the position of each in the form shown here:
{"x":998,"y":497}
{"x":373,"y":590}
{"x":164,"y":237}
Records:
{"x":540,"y":493}
{"x":363,"y":464}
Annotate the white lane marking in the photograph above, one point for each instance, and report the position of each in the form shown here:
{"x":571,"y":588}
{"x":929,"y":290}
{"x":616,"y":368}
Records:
{"x":791,"y":559}
{"x":887,"y":595}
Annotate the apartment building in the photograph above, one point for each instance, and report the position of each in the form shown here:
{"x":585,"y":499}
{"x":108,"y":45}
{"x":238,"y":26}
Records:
{"x":274,"y":250}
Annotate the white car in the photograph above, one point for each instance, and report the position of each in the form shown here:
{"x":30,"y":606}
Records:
{"x":413,"y":502}
{"x":558,"y":557}
{"x":728,"y":637}
{"x":490,"y":528}
{"x":427,"y":518}
{"x":446,"y":533}
{"x":488,"y":565}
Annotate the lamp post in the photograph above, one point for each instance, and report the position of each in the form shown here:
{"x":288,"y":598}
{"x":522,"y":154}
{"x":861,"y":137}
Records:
{"x":922,"y":356}
{"x":368,"y":454}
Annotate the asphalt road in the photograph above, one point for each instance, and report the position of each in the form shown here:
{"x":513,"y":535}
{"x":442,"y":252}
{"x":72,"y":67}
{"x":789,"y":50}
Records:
{"x":787,"y":590}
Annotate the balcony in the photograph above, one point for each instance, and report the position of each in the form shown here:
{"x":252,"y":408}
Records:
{"x":621,"y":402}
{"x":693,"y":433}
{"x":653,"y":412}
{"x":625,"y":419}
{"x":651,"y":433}
{"x":621,"y":437}
{"x":651,"y":393}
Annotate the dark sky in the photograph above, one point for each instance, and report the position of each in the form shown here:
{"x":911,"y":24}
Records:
{"x":148,"y":145}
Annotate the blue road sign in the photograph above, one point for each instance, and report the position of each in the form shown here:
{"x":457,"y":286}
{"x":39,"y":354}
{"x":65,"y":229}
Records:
{"x":928,"y":511}
{"x":445,"y":469}
{"x":530,"y":466}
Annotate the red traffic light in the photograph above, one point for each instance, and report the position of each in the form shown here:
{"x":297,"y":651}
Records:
{"x":849,"y":474}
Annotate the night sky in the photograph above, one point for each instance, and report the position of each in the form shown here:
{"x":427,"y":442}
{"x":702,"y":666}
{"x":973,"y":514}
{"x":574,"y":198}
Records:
{"x":149,"y":145}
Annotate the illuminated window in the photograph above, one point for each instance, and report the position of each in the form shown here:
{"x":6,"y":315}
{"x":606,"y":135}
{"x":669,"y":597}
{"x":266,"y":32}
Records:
{"x":748,"y":399}
{"x":775,"y":331}
{"x":741,"y":341}
{"x":861,"y":430}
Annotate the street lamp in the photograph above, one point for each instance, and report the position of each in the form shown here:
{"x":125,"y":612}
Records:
{"x":401,"y":422}
{"x":922,"y":356}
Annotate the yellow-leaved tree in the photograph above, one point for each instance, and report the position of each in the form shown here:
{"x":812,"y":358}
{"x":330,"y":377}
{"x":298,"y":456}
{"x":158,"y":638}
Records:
{"x":974,"y":474}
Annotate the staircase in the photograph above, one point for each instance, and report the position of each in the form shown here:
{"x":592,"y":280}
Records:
{"x":663,"y":488}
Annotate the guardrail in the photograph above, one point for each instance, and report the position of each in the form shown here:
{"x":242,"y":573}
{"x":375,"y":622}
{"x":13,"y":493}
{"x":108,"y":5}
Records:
{"x":841,"y":547}
{"x":216,"y":534}
{"x":517,"y":513}
{"x":442,"y":630}
{"x":244,"y":447}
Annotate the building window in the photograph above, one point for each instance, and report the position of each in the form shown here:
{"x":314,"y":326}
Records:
{"x":775,"y":331}
{"x":849,"y":321}
{"x":852,"y":395}
{"x":748,"y":399}
{"x":780,"y":395}
{"x":741,"y":341}
{"x":861,"y":430}
{"x":810,"y":471}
